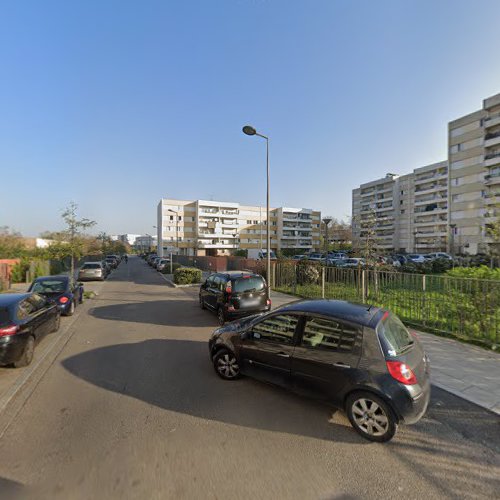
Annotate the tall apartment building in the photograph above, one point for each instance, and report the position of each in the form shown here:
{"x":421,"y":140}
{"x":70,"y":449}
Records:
{"x":202,"y":227}
{"x":474,"y":181}
{"x":406,"y":213}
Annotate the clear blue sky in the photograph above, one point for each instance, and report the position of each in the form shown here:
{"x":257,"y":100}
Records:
{"x":115,"y":104}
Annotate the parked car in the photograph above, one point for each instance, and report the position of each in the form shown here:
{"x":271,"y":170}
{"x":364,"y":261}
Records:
{"x":65,"y":293}
{"x":155,"y":261}
{"x":112,"y":260}
{"x":299,"y":257}
{"x":337,"y":255}
{"x":439,"y":255}
{"x":162,"y":264}
{"x":335,"y":262}
{"x":356,"y":357}
{"x":353,"y":262}
{"x":150,"y":258}
{"x":91,"y":271}
{"x":316,"y":257}
{"x":107,"y":267}
{"x":24,"y":319}
{"x":400,"y":258}
{"x":416,"y":258}
{"x":234,"y":294}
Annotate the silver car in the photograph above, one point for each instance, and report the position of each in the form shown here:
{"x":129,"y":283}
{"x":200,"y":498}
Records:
{"x":91,"y":271}
{"x":163,"y":264}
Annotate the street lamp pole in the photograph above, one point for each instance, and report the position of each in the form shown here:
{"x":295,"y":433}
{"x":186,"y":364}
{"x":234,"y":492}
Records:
{"x":326,"y":221}
{"x":248,"y":130}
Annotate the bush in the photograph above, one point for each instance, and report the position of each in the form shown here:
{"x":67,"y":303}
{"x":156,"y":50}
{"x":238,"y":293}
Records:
{"x":481,"y":272}
{"x":441,"y":265}
{"x":175,"y":266}
{"x":187,"y":275}
{"x":19,"y":271}
{"x":307,"y":272}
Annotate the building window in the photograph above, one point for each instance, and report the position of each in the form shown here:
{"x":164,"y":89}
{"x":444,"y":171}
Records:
{"x":255,"y":221}
{"x":249,"y":221}
{"x":402,"y":211}
{"x":171,"y":217}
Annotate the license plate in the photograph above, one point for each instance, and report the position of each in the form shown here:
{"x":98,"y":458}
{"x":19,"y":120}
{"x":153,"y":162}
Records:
{"x":251,"y":303}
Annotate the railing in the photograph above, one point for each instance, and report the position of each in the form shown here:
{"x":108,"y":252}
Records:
{"x":460,"y":307}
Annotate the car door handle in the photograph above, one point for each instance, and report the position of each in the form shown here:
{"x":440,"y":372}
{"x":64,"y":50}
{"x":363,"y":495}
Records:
{"x":283,"y":355}
{"x":341,"y":365}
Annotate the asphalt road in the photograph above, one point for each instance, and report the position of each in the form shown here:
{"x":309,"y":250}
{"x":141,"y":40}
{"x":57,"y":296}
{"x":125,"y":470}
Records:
{"x":131,"y":408}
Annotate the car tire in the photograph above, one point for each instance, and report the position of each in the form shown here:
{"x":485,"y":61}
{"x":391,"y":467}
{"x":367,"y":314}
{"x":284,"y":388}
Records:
{"x":57,"y":324}
{"x":28,"y":352}
{"x":202,"y":303}
{"x":221,"y":317}
{"x":71,"y":310}
{"x":226,"y":365}
{"x":371,"y":417}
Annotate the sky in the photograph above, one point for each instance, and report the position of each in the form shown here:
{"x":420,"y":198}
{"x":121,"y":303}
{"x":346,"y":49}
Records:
{"x":115,"y":104}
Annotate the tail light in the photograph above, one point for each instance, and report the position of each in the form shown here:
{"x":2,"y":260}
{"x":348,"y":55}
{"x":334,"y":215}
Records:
{"x":401,"y":372}
{"x":268,"y":302}
{"x":64,"y":300}
{"x":8,"y":330}
{"x":229,"y":288}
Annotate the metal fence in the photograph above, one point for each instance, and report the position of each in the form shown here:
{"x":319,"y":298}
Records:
{"x":461,"y":307}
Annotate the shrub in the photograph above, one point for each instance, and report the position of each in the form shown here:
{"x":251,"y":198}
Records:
{"x":241,"y":253}
{"x":441,"y":265}
{"x":187,"y":275}
{"x":307,"y":272}
{"x":175,"y":266}
{"x":481,"y":272}
{"x":19,"y":271}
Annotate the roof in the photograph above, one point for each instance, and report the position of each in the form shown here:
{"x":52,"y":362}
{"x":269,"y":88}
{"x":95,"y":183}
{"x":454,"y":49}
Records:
{"x":60,"y":277}
{"x":7,"y":299}
{"x":235,"y":274}
{"x":340,"y":309}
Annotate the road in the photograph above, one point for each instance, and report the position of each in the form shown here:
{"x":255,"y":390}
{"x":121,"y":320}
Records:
{"x":131,"y":408}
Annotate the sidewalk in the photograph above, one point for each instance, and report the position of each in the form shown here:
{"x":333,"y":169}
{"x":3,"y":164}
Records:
{"x":465,"y":370}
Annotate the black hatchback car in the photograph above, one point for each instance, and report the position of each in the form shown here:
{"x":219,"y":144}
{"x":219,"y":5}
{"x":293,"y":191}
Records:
{"x":59,"y":288}
{"x":235,"y":294}
{"x":358,"y":358}
{"x":24,"y":319}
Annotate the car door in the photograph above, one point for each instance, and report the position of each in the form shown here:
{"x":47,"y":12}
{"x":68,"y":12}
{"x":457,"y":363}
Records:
{"x":211,"y":290}
{"x":44,"y":312}
{"x":267,"y":349}
{"x":325,"y":360}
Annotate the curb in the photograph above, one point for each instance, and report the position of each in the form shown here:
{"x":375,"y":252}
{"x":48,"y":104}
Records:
{"x":173,"y":285}
{"x":13,"y":400}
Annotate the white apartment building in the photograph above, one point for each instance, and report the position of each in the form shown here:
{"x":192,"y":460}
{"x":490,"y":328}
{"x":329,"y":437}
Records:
{"x":203,"y":227}
{"x":474,"y":181}
{"x":145,"y":243}
{"x":406,"y":213}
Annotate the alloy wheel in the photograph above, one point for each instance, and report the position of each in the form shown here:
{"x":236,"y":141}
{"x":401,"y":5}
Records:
{"x":227,"y":365}
{"x":370,"y":417}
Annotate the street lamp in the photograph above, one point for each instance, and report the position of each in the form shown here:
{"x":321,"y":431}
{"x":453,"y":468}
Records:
{"x":176,"y":228}
{"x":248,"y":130}
{"x":326,"y":221}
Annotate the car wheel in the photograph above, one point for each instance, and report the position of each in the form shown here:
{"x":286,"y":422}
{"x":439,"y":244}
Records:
{"x":202,"y":303}
{"x":221,"y":316}
{"x":57,"y":324}
{"x":71,"y":310}
{"x":27,"y":356}
{"x":226,"y":365}
{"x":371,"y":417}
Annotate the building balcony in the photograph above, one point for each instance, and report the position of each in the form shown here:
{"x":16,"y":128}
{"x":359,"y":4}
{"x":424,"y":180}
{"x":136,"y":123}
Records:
{"x":492,"y":159}
{"x":431,"y":189}
{"x":492,"y":179}
{"x":492,"y":120}
{"x":491,"y":139}
{"x":427,"y":234}
{"x":431,"y":177}
{"x":368,"y":193}
{"x":431,"y":222}
{"x":434,"y":211}
{"x":429,"y":199}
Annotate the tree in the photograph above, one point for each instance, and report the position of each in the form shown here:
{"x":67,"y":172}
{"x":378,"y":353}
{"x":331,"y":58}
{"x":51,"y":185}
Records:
{"x":367,"y":241}
{"x":72,"y":234}
{"x":11,"y":243}
{"x":492,"y":230}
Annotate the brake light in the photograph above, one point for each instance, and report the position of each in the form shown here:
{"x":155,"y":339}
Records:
{"x":63,"y":300}
{"x":8,"y":330}
{"x":401,"y":372}
{"x":229,"y":288}
{"x":268,"y":302}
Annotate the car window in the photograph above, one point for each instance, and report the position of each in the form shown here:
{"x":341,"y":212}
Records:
{"x":91,"y":266}
{"x":280,"y":328}
{"x":330,"y":334}
{"x":38,"y":302}
{"x":394,"y":336}
{"x":220,"y":282}
{"x":47,"y":286}
{"x":252,"y":283}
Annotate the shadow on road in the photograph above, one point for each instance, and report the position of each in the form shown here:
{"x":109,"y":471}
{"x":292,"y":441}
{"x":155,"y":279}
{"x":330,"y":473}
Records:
{"x":176,"y":375}
{"x":172,"y":312}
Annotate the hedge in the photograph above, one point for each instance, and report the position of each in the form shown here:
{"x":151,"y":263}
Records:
{"x":187,"y":275}
{"x":166,"y":269}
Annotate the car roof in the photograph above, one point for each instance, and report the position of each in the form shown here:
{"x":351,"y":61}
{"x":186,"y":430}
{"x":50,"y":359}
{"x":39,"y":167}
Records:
{"x":340,"y":309}
{"x":60,"y":277}
{"x":7,"y":299}
{"x":238,"y":274}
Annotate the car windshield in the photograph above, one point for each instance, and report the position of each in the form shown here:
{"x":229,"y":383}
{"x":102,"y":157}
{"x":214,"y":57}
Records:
{"x":91,"y":266}
{"x":252,"y":283}
{"x":351,"y":261}
{"x":47,"y":286}
{"x":395,"y":337}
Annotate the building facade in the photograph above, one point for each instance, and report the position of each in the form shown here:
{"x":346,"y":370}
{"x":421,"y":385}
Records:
{"x":474,"y":181}
{"x":403,"y":213}
{"x":203,"y":227}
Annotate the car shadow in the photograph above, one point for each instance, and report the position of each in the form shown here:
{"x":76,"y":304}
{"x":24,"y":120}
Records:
{"x":172,"y":312}
{"x":177,"y":375}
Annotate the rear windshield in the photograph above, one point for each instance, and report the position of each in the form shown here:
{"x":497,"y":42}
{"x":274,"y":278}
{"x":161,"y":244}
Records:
{"x":4,"y":316}
{"x":394,"y":336}
{"x":251,"y":284}
{"x":49,"y":286}
{"x":91,"y":266}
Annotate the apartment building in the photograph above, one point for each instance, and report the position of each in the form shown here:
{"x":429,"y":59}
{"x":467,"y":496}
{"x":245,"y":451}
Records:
{"x":145,"y":243}
{"x":404,"y":213}
{"x":203,"y":227}
{"x":474,"y":180}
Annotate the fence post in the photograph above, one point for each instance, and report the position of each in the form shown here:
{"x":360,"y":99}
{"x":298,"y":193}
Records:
{"x":273,"y":274}
{"x":363,"y":286}
{"x":295,"y":279}
{"x":323,"y":282}
{"x":424,"y":312}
